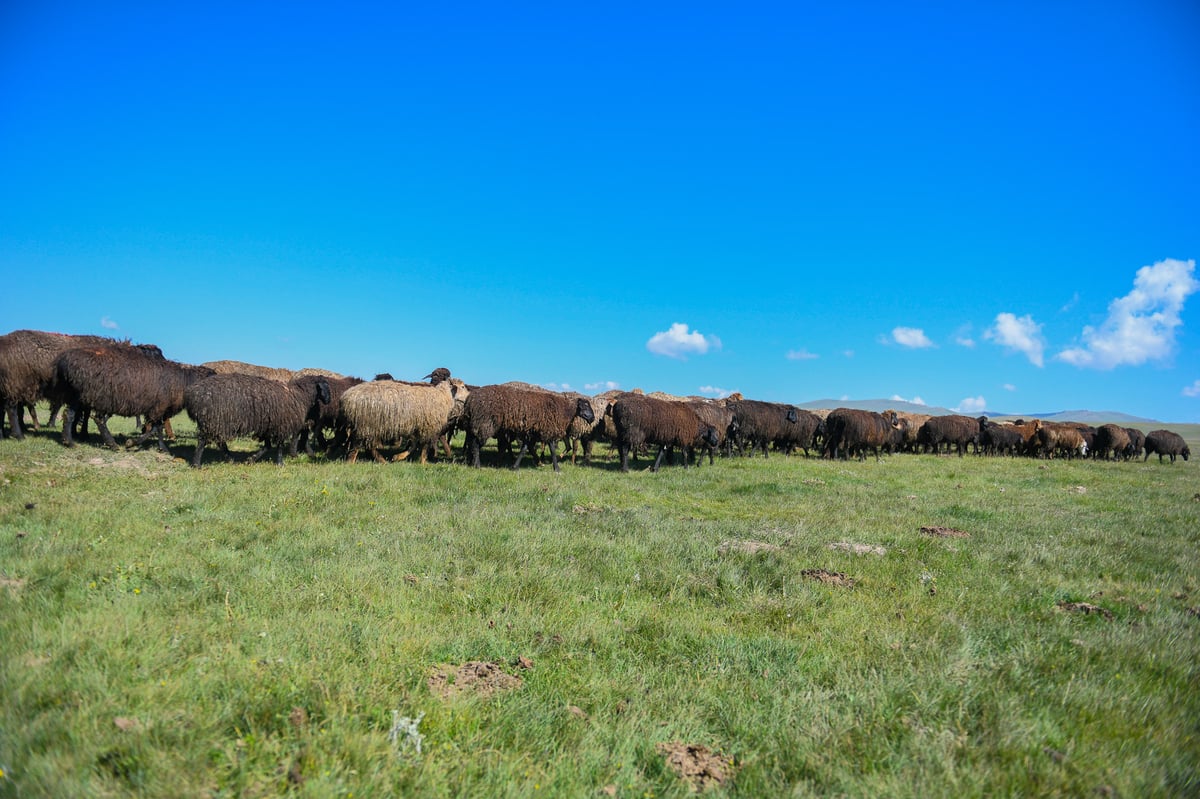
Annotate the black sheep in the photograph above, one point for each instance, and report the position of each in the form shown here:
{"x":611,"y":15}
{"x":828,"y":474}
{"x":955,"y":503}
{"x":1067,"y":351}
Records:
{"x":759,"y":423}
{"x":1165,"y":442}
{"x":951,"y":429}
{"x":848,"y":430}
{"x":532,"y":416}
{"x":235,"y":405}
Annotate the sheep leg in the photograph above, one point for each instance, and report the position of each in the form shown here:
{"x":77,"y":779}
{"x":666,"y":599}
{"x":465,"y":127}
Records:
{"x":254,"y":458}
{"x":198,"y":455}
{"x":658,"y":460}
{"x":554,"y":455}
{"x":12,"y":409}
{"x":446,"y":446}
{"x":521,"y":454}
{"x":624,"y":450}
{"x":102,"y":423}
{"x":472,"y":445}
{"x":33,"y":420}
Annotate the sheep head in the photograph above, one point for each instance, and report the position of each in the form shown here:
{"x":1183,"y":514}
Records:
{"x":583,"y":409}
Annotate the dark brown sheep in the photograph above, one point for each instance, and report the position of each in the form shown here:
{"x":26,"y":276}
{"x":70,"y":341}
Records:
{"x":1137,"y":442}
{"x":1110,"y":441}
{"x":227,"y":406}
{"x":640,"y":420}
{"x":27,"y":369}
{"x":848,"y":430}
{"x":1165,"y":442}
{"x":121,"y":380}
{"x":1059,"y":438}
{"x":531,"y":416}
{"x":951,"y":430}
{"x":758,"y":423}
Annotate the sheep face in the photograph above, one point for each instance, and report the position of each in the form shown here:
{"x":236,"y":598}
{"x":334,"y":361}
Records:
{"x":709,"y":436}
{"x":583,"y":409}
{"x":323,"y":393}
{"x":1185,"y":452}
{"x":791,"y":415}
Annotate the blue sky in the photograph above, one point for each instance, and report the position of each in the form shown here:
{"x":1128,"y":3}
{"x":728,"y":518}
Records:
{"x":985,"y":206}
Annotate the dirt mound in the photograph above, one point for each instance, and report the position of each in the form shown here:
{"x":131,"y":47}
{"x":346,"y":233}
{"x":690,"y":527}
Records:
{"x":828,"y":577}
{"x":473,"y":677}
{"x":937,"y":531}
{"x":1085,"y":607}
{"x":858,"y":549}
{"x":749,"y":547}
{"x":696,"y":765}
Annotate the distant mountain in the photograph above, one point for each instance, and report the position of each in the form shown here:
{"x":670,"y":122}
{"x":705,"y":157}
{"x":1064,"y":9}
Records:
{"x":880,"y":405}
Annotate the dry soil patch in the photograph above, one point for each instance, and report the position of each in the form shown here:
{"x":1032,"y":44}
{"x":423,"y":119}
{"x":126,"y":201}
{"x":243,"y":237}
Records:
{"x":695,"y":764}
{"x":475,"y":677}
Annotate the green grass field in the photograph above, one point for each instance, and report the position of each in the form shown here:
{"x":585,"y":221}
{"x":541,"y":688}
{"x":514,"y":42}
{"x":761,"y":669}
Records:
{"x":249,"y":630}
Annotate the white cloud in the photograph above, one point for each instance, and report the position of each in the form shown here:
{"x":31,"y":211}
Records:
{"x":848,"y":353}
{"x":801,"y":355}
{"x":913,"y":401}
{"x":557,"y":386}
{"x":971,"y":405}
{"x":844,"y":398}
{"x":677,"y":342}
{"x":108,"y":324}
{"x":1141,"y":325}
{"x":912,"y":337}
{"x":1193,"y":390}
{"x":603,"y":385}
{"x":1018,"y":334}
{"x":715,"y":392}
{"x":1070,"y":303}
{"x":962,"y":337}
{"x":1009,"y":387}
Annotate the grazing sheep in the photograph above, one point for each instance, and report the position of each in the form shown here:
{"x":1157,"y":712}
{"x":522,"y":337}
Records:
{"x":759,"y":423}
{"x":1063,"y":439}
{"x":227,"y":406}
{"x":1110,"y":440}
{"x":951,"y":429}
{"x":122,"y":380}
{"x":386,"y":410}
{"x":642,"y":420}
{"x":532,"y":416}
{"x":27,"y":369}
{"x":1137,"y":442}
{"x":1165,"y":442}
{"x":848,"y":430}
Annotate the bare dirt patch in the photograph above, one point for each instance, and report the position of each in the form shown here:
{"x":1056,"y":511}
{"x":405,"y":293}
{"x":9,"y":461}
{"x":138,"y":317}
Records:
{"x":479,"y":678}
{"x":828,"y":577}
{"x":749,"y":547}
{"x":12,"y":584}
{"x":695,"y":764}
{"x":1085,"y":607}
{"x":858,"y":549}
{"x":937,"y":531}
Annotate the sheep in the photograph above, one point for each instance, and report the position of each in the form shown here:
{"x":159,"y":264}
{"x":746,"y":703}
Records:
{"x":27,"y":368}
{"x":329,"y":415}
{"x":584,"y":434}
{"x":849,"y":430}
{"x":1062,"y":438}
{"x":1137,"y":442}
{"x":759,"y":423}
{"x":999,"y":439}
{"x":388,"y":410}
{"x":1165,"y":442}
{"x":226,"y":406}
{"x":1110,"y":439}
{"x":641,"y":420}
{"x":950,"y":429}
{"x":912,"y":427}
{"x":123,"y":380}
{"x":529,"y":415}
{"x":718,"y":415}
{"x":226,"y":367}
{"x":801,"y":435}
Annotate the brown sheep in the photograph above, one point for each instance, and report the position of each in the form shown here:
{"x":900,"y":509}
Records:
{"x":532,"y":416}
{"x":644,"y":420}
{"x":1165,"y":442}
{"x":1110,"y":440}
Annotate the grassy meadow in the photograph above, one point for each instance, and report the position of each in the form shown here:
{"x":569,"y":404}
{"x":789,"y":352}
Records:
{"x":249,"y":630}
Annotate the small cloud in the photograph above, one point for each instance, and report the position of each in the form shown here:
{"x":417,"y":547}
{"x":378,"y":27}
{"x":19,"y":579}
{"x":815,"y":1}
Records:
{"x":962,"y":337}
{"x":844,"y":398}
{"x":1009,"y":387}
{"x":801,"y":355}
{"x":677,"y":342}
{"x":1141,"y":325}
{"x":603,"y":385}
{"x":714,"y":391}
{"x":108,"y":324}
{"x":1018,"y":334}
{"x":911,"y":337}
{"x":557,"y":386}
{"x":971,"y":405}
{"x":913,"y":401}
{"x":1193,"y":390}
{"x":848,"y":353}
{"x":1070,"y":303}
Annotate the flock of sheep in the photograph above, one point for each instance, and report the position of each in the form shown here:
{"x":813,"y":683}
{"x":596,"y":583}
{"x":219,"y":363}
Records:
{"x":101,"y":377}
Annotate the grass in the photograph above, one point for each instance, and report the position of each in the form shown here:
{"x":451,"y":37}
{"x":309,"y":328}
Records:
{"x":247,"y":630}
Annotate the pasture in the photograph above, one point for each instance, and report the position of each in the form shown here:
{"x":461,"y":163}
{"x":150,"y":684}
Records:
{"x":756,"y":628}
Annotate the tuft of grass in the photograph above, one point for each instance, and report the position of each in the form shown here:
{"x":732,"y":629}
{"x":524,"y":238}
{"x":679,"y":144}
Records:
{"x":249,"y":630}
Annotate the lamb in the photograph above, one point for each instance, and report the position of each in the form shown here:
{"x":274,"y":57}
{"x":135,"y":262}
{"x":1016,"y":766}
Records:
{"x":1165,"y":442}
{"x":849,"y":430}
{"x":532,"y":416}
{"x":640,"y":420}
{"x":226,"y":406}
{"x":123,"y":380}
{"x":27,"y":369}
{"x":387,"y":410}
{"x":760,"y":423}
{"x":1110,"y":440}
{"x":950,"y":429}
